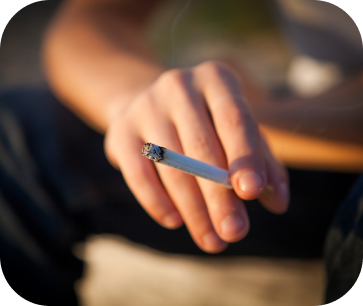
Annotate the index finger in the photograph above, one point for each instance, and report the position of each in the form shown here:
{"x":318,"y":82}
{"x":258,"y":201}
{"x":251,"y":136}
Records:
{"x":236,"y":128}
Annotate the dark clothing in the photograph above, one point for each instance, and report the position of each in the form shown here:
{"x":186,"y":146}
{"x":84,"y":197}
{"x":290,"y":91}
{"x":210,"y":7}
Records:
{"x":56,"y":187}
{"x":344,"y":246}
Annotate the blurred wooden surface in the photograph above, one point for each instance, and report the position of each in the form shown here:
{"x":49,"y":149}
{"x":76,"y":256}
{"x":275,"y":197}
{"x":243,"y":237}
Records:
{"x":122,"y":273}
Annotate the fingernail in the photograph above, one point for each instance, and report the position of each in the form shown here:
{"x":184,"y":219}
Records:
{"x":268,"y":193}
{"x":232,"y":225}
{"x":172,"y":220}
{"x":250,"y":182}
{"x":211,"y":240}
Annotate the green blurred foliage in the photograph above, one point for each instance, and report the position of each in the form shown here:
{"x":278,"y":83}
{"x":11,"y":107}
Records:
{"x":181,"y":23}
{"x":232,"y":17}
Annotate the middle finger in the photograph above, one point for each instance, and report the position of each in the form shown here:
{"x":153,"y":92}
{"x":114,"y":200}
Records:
{"x":199,"y":140}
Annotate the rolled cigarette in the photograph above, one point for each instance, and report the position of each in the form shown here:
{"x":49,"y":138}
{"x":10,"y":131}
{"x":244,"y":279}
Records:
{"x":186,"y":164}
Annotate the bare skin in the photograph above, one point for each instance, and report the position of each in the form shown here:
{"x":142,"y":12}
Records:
{"x":99,"y":65}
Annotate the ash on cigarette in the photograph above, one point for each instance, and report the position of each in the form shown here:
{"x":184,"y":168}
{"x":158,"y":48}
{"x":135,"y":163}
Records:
{"x":152,"y":152}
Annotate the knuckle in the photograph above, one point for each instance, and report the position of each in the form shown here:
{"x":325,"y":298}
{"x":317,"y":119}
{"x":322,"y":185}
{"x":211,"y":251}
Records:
{"x":215,"y":68}
{"x":146,"y":98}
{"x":200,"y":145}
{"x":179,"y":83}
{"x":155,"y":209}
{"x":175,"y":82}
{"x":242,"y":122}
{"x":173,"y":175}
{"x":136,"y":178}
{"x":148,"y":105}
{"x":233,"y":120}
{"x":174,"y":78}
{"x":209,"y":67}
{"x":197,"y":216}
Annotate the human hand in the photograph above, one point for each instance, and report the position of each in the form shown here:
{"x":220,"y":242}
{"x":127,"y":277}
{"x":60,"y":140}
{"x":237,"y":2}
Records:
{"x":199,"y":112}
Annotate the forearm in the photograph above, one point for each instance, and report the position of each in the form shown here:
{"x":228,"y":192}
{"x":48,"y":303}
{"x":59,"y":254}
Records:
{"x":96,"y":60}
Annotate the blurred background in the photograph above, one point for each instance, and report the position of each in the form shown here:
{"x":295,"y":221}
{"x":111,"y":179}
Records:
{"x":20,"y":46}
{"x":184,"y":33}
{"x":181,"y":34}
